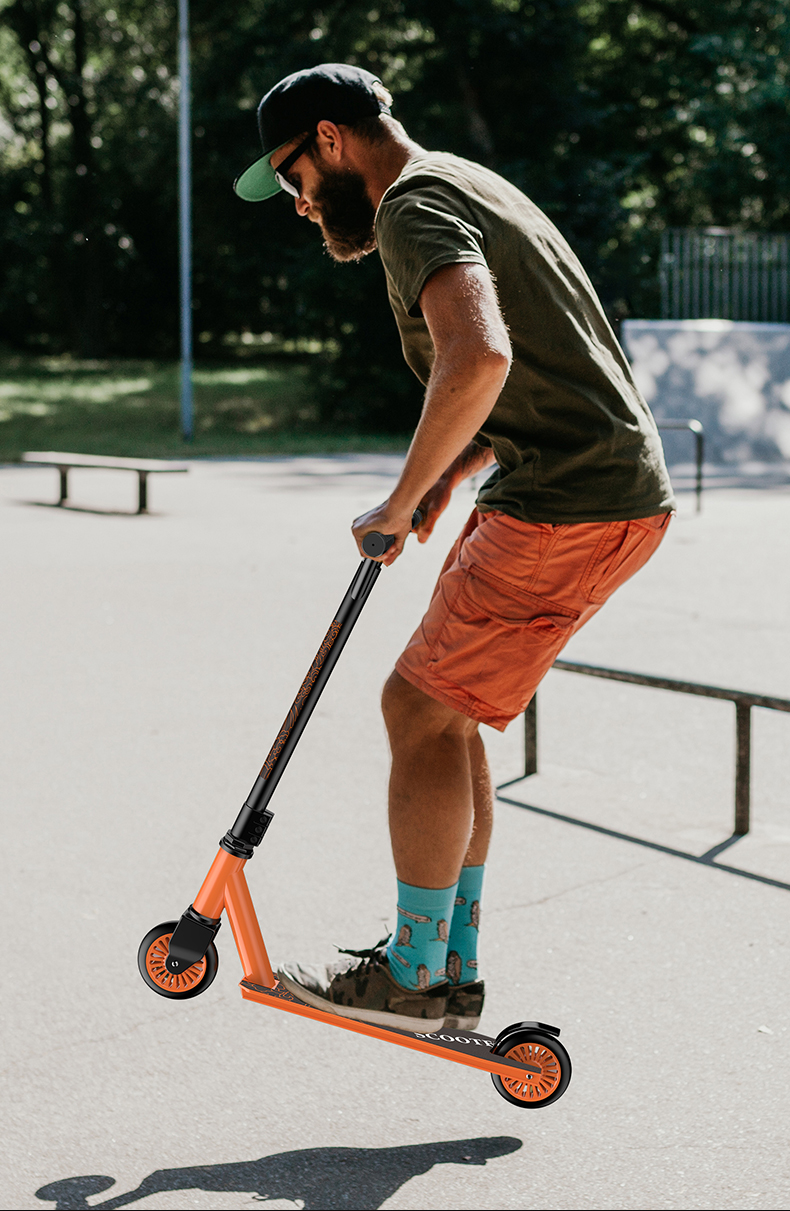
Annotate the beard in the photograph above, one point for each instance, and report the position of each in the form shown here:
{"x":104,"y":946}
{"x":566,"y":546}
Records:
{"x":346,"y":214}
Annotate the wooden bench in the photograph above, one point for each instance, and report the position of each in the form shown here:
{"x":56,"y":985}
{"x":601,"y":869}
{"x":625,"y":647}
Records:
{"x":64,"y":462}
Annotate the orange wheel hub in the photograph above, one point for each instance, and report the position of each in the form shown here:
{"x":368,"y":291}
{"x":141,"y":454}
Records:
{"x":533,"y":1086}
{"x":155,"y":966}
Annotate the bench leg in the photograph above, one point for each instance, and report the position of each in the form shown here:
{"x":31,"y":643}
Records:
{"x":64,"y":485}
{"x":142,"y":505}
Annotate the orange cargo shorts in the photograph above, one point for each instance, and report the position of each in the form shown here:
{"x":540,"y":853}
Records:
{"x":508,"y":599}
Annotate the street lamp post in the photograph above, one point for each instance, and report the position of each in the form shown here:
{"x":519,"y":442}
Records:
{"x":185,"y":219}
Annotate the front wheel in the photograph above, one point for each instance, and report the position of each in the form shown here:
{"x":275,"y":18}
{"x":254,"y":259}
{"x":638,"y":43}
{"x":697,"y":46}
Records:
{"x":151,"y":961}
{"x":531,"y":1088}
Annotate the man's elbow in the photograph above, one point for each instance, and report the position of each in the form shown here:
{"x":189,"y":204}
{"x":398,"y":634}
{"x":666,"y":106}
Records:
{"x":472,"y":362}
{"x":503,"y":359}
{"x":490,"y":365}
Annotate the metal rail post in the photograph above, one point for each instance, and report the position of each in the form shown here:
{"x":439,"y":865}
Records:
{"x":743,"y":763}
{"x":699,"y":440}
{"x":531,"y":737}
{"x":695,"y":427}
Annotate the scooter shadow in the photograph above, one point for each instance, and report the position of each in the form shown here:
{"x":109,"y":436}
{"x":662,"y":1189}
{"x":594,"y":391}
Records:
{"x":322,"y":1179}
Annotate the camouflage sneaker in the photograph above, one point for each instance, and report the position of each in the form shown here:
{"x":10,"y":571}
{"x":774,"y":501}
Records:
{"x":362,"y":988}
{"x":465,"y":1005}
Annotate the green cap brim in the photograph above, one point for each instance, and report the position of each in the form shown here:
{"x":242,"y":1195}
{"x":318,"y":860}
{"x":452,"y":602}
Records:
{"x":258,"y":182}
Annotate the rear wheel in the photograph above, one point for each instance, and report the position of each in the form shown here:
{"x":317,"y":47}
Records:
{"x":151,"y":961}
{"x":545,"y":1052}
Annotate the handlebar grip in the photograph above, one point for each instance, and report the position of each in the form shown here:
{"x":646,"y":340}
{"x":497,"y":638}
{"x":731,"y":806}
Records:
{"x":375,"y":544}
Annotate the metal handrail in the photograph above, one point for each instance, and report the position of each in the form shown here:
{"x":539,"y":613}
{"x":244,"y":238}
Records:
{"x":743,"y":700}
{"x":695,"y":427}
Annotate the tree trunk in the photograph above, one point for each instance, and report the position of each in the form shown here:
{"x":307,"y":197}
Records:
{"x":479,"y":131}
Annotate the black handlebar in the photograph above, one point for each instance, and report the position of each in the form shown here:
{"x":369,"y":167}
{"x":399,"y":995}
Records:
{"x":375,"y":544}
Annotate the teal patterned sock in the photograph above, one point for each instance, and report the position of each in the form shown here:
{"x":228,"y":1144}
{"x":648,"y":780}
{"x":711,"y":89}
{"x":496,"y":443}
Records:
{"x":462,"y":943}
{"x":417,"y":951}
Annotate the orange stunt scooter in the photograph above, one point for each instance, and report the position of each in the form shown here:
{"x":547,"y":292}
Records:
{"x":178,"y":959}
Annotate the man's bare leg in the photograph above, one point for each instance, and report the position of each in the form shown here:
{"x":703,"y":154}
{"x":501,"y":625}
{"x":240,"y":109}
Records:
{"x":440,"y":822}
{"x":440,"y":799}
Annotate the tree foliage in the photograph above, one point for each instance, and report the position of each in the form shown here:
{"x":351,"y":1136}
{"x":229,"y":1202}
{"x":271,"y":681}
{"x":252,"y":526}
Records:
{"x":619,"y":117}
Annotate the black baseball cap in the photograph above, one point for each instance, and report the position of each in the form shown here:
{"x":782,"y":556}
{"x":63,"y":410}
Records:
{"x":332,"y":92}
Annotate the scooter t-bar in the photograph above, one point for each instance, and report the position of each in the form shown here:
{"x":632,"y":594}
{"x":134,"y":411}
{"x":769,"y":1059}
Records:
{"x":254,"y":817}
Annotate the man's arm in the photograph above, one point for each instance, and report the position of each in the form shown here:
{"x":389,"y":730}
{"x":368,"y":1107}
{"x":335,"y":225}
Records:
{"x":470,"y":461}
{"x":472,"y":361}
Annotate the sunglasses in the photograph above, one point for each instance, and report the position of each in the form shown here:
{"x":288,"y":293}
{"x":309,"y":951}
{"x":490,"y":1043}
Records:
{"x":288,"y":162}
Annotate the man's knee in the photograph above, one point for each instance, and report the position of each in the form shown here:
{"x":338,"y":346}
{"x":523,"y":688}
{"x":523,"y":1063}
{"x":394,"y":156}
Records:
{"x":411,"y":713}
{"x":398,"y":698}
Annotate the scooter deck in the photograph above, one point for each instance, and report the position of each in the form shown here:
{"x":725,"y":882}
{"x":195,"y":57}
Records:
{"x":462,"y":1046}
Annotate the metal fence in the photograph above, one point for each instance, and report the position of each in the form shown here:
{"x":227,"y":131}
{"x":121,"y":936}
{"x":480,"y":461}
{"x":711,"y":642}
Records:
{"x":714,"y":273}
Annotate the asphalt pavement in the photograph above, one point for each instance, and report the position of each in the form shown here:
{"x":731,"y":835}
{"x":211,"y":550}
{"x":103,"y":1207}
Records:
{"x":146,"y":664}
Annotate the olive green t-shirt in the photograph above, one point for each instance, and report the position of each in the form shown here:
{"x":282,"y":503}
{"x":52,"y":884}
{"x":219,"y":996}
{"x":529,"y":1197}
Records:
{"x":573,"y":439}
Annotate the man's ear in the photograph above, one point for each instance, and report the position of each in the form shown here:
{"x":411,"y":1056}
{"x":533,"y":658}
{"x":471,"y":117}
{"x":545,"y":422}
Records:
{"x":330,"y":141}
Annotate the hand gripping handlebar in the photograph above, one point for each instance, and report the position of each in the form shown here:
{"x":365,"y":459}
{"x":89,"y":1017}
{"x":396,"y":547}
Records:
{"x":375,"y":544}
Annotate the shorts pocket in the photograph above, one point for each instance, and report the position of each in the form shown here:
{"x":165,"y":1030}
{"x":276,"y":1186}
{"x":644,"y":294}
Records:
{"x":621,"y":551}
{"x":514,"y":607}
{"x":500,"y":642}
{"x":438,"y":619}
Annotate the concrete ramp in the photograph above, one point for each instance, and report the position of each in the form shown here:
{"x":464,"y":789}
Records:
{"x":733,"y":376}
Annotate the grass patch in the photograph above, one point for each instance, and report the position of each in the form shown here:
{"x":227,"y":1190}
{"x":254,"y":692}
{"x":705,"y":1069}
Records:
{"x":131,"y":408}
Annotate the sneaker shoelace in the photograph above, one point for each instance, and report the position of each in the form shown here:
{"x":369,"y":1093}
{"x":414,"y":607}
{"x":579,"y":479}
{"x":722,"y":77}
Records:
{"x":369,"y":958}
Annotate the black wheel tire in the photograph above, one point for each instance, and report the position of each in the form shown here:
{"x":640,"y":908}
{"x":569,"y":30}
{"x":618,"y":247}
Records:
{"x":151,"y":962}
{"x":541,"y":1091}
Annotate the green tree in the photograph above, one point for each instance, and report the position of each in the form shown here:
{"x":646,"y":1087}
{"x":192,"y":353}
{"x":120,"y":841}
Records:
{"x":468,"y":77}
{"x":618,"y":117}
{"x":686,"y":111}
{"x":89,"y":97}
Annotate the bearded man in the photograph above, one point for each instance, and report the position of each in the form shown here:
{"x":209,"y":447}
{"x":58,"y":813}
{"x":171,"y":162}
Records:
{"x":523,"y":375}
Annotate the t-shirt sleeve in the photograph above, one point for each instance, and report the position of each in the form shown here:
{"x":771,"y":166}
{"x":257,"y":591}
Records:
{"x":421,"y":230}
